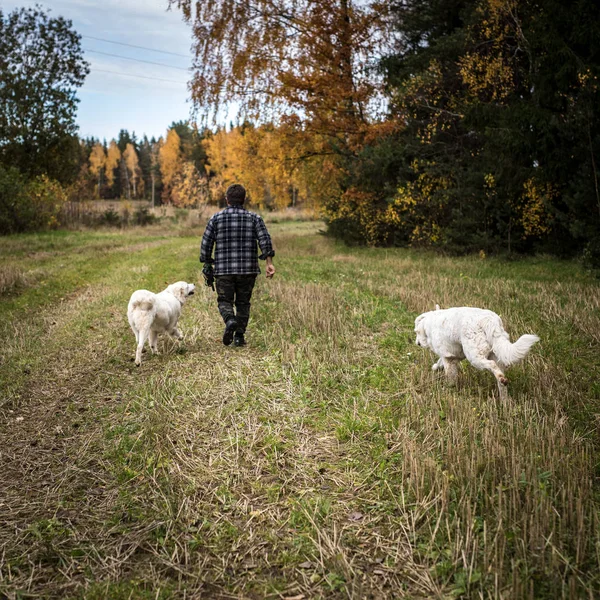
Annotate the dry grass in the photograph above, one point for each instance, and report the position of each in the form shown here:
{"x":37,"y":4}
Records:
{"x":13,"y":279}
{"x":325,"y":460}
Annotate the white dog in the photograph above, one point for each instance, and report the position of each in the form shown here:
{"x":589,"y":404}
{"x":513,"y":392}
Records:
{"x":150,"y":314}
{"x":474,"y":334}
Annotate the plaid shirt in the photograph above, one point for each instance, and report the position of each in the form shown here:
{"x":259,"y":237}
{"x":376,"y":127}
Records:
{"x":235,"y":231}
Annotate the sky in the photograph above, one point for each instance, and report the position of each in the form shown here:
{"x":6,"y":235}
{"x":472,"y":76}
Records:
{"x":124,"y":98}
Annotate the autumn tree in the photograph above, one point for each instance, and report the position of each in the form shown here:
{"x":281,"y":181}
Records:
{"x":274,"y":57}
{"x":189,"y":188}
{"x":270,"y":160}
{"x":97,"y":163}
{"x":113,"y":157}
{"x":132,"y":168}
{"x":170,"y":162}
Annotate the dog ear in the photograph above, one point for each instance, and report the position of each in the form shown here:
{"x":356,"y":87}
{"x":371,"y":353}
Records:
{"x":179,"y":291}
{"x":418,"y":321}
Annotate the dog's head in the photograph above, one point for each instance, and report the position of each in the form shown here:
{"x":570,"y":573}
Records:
{"x":181,"y":290}
{"x":420,"y":330}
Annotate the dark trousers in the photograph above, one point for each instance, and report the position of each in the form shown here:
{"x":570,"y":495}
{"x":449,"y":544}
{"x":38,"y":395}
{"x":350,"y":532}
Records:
{"x":235,"y":290}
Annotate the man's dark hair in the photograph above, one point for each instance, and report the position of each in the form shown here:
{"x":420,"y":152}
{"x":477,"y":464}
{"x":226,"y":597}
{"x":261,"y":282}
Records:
{"x":236,"y":194}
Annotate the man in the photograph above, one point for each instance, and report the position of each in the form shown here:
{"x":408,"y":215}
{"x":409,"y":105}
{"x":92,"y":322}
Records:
{"x":236,"y":232}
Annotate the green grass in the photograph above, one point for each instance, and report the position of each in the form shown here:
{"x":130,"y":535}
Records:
{"x":325,"y":460}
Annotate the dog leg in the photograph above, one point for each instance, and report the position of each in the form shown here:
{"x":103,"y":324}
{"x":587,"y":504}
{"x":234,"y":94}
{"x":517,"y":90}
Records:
{"x":503,"y":390}
{"x":153,"y":341}
{"x":489,"y":365}
{"x":451,"y":369}
{"x":143,"y":334}
{"x":176,"y":334}
{"x":438,"y":365}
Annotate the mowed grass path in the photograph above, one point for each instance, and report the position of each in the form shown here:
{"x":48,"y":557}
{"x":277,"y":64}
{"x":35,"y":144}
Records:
{"x":324,"y":460}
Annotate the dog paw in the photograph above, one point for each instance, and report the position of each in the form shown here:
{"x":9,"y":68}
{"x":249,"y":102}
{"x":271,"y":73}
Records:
{"x":503,"y":380}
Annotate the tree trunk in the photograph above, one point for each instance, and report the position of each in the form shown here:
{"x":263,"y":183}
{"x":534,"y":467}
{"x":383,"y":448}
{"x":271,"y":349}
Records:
{"x":127,"y":182}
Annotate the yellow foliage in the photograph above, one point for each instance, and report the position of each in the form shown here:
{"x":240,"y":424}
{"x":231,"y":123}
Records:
{"x":357,"y":204}
{"x":427,"y":190}
{"x":169,"y":158}
{"x":487,"y":75}
{"x":97,"y":162}
{"x":279,"y":166}
{"x":97,"y":159}
{"x":488,"y":71}
{"x":533,"y":215}
{"x":113,"y":156}
{"x":189,"y":189}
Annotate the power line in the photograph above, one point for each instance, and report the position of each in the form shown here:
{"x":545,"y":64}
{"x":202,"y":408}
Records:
{"x":136,"y":60}
{"x":140,"y":76}
{"x":91,"y":37}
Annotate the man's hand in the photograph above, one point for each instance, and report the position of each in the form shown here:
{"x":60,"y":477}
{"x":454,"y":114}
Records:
{"x":270,"y":268}
{"x":209,"y":276}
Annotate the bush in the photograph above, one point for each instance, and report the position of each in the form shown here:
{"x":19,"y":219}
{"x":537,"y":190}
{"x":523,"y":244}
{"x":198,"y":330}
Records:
{"x":110,"y":217}
{"x":143,"y":216}
{"x":28,"y":205}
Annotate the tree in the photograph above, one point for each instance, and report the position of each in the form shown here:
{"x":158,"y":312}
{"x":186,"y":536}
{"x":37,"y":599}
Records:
{"x":41,"y":65}
{"x":189,"y":188}
{"x":192,"y":148}
{"x":502,"y":134}
{"x":278,"y":57}
{"x":170,"y":162}
{"x":113,"y":157}
{"x":132,"y":166}
{"x":155,"y":174}
{"x":97,"y":163}
{"x":270,"y":162}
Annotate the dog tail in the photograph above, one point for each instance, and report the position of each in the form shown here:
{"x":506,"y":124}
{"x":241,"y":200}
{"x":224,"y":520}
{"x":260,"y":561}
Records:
{"x":144,"y":304}
{"x":510,"y":354}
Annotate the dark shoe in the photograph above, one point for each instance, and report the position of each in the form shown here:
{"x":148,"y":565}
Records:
{"x":238,"y":339}
{"x":229,"y":331}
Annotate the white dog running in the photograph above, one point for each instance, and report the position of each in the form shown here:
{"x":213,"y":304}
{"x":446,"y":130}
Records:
{"x":472,"y":333}
{"x":150,"y":314}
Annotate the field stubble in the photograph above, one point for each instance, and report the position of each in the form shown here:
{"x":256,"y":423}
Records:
{"x":324,"y":460}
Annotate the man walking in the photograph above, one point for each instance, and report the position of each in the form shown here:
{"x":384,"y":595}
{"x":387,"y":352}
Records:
{"x":235,"y":232}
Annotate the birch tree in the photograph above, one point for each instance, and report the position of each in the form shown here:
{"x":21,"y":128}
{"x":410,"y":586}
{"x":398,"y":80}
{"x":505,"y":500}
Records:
{"x":97,"y":163}
{"x":113,"y":156}
{"x":132,"y":165}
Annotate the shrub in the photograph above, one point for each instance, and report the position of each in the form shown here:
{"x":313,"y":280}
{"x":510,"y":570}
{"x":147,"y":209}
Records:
{"x":28,"y":205}
{"x":143,"y":216}
{"x":111,"y":217}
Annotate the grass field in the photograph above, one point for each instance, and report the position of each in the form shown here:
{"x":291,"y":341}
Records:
{"x":324,"y":460}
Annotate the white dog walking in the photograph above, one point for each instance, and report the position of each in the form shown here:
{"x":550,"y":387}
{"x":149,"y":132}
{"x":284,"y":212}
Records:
{"x":150,"y":314}
{"x":472,"y":333}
